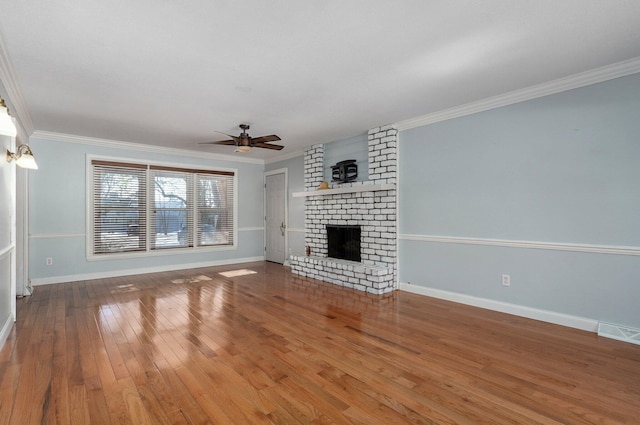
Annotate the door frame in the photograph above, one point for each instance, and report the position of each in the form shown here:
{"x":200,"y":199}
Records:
{"x":284,"y":171}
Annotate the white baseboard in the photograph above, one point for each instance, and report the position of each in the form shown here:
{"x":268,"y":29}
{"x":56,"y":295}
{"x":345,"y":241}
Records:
{"x":6,"y":329}
{"x":577,"y":322}
{"x":129,"y":272}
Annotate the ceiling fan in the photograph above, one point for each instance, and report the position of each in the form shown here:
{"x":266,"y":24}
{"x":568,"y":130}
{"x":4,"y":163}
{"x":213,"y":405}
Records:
{"x":244,"y":142}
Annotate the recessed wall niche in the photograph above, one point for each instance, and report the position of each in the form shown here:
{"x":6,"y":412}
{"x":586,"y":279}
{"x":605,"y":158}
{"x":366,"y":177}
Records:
{"x":354,"y":148}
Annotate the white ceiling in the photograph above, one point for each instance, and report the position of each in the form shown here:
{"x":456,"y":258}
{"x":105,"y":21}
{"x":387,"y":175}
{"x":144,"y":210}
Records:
{"x":171,"y":73}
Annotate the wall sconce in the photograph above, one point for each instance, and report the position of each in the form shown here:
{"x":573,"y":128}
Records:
{"x":23,"y":156}
{"x":7,"y":127}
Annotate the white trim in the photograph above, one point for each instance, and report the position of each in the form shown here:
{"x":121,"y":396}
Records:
{"x":576,"y":322}
{"x":236,"y":211}
{"x":117,"y":144}
{"x":350,"y":189}
{"x":12,"y":227}
{"x":397,"y":221}
{"x":159,"y":252}
{"x":274,"y":172}
{"x":131,"y":272}
{"x":56,"y":235}
{"x":250,"y":229}
{"x":6,"y":330}
{"x":7,"y":250}
{"x":553,"y":246}
{"x":598,"y":75}
{"x":10,"y":83}
{"x":88,"y":205}
{"x":136,"y":161}
{"x":23,"y":214}
{"x":82,"y":235}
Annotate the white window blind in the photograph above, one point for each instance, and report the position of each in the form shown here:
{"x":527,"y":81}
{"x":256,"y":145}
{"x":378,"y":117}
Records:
{"x":139,"y":207}
{"x":119,"y":207}
{"x":214,"y":209}
{"x":172,"y":211}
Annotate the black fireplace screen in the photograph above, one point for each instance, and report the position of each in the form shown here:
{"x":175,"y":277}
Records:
{"x":344,"y":242}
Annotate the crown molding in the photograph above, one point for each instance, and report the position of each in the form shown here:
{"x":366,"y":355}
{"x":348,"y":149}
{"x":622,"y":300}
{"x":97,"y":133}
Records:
{"x":587,"y":78}
{"x":10,"y":82}
{"x":139,"y":147}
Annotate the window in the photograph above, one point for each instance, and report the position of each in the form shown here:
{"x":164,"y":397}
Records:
{"x":143,"y":208}
{"x":119,"y":207}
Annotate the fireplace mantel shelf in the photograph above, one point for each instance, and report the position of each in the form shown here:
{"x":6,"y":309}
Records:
{"x":350,"y":189}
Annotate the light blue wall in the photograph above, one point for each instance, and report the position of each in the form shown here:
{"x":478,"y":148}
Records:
{"x":295,"y":206}
{"x":57,"y":212}
{"x":564,"y":169}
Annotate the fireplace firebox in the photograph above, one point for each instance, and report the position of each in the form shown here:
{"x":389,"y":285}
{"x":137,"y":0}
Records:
{"x":343,"y":242}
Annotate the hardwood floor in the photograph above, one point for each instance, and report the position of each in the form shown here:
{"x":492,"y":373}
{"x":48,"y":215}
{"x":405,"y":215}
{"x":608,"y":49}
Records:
{"x":195,"y":347}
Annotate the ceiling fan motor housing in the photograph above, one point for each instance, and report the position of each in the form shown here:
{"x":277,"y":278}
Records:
{"x":245,"y":139}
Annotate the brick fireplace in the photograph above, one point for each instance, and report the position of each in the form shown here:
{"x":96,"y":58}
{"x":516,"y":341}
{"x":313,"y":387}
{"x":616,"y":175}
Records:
{"x":370,"y":205}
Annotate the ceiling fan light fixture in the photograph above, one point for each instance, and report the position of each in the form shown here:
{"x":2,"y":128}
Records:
{"x":242,"y":148}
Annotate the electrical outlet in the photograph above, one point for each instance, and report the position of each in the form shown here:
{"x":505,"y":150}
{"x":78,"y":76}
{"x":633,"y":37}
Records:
{"x":49,"y":261}
{"x":506,"y":280}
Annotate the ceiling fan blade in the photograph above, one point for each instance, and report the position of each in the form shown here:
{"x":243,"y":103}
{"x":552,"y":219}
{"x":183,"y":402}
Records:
{"x":221,"y":142}
{"x":268,"y":146}
{"x":262,"y":139}
{"x":228,"y":135}
{"x":234,"y":140}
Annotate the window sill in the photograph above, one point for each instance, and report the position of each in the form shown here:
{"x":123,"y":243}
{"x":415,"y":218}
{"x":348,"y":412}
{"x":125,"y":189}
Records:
{"x":159,"y":253}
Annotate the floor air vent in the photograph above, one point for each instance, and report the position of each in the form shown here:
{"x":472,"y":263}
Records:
{"x":618,"y":332}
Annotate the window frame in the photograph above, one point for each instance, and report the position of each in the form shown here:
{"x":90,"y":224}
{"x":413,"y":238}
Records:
{"x":148,"y":251}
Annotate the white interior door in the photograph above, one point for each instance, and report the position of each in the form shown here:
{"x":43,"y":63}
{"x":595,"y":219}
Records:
{"x":275,"y":217}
